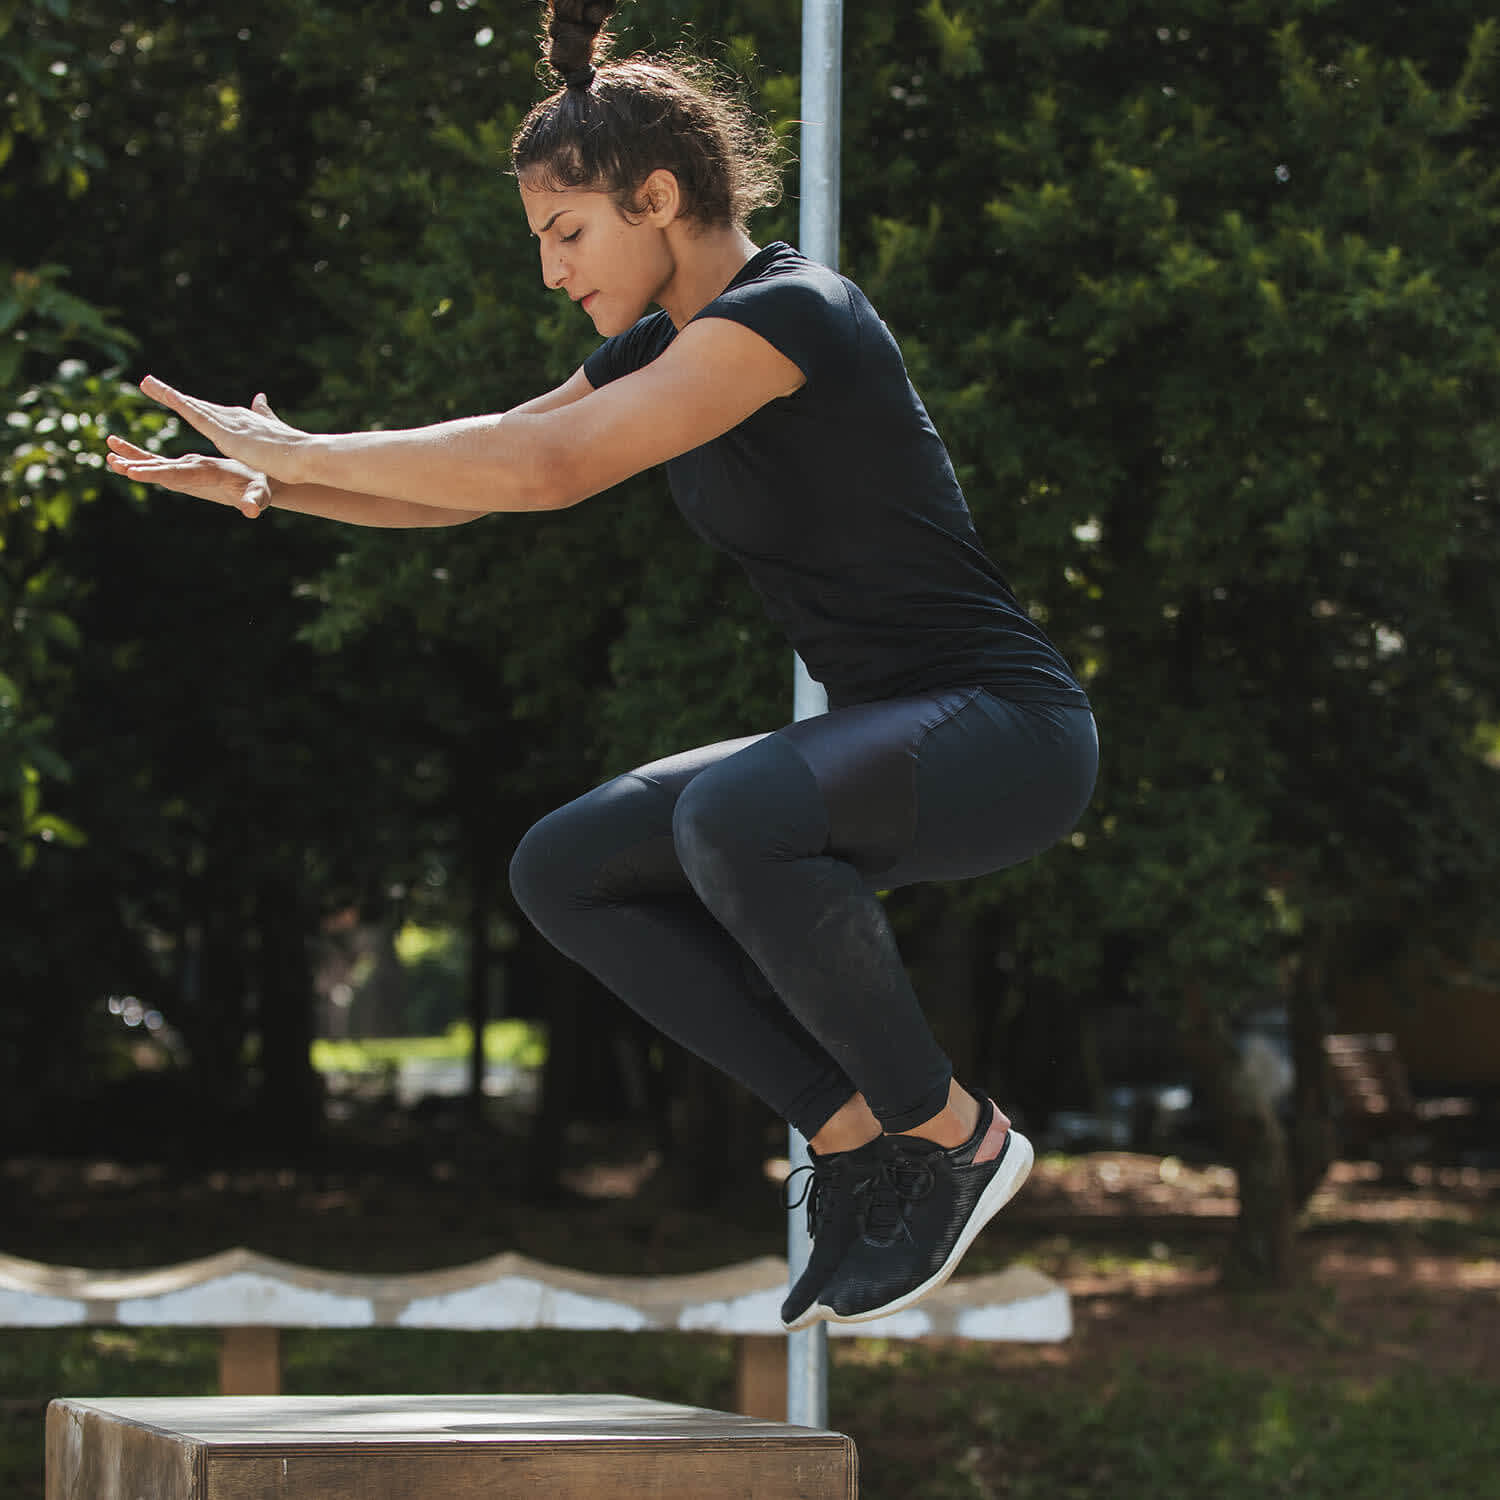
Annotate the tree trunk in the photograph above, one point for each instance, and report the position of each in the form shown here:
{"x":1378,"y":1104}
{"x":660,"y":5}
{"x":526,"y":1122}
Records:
{"x":213,"y":982}
{"x":1314,"y":1139}
{"x":290,"y":1102}
{"x":1262,"y":1252}
{"x":556,"y":981}
{"x":481,"y":960}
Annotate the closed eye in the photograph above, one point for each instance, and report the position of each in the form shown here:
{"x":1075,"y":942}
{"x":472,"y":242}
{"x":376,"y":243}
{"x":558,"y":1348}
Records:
{"x":568,"y":239}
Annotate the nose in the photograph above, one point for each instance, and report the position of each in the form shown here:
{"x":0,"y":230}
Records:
{"x":554,"y":272}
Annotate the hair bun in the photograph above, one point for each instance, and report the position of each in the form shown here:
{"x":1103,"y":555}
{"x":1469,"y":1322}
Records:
{"x":573,"y":28}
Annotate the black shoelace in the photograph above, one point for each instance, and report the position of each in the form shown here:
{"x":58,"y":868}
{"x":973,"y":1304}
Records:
{"x":812,"y":1193}
{"x":885,"y":1199}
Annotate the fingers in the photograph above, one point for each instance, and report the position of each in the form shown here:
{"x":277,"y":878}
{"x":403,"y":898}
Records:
{"x":146,"y":471}
{"x":204,"y":477}
{"x":166,"y":395}
{"x":161,"y":392}
{"x":132,"y":462}
{"x":190,"y":407}
{"x":125,"y":458}
{"x":203,"y":416}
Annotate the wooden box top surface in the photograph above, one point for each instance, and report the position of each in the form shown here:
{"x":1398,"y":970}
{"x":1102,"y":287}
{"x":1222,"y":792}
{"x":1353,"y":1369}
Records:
{"x":294,"y":1421}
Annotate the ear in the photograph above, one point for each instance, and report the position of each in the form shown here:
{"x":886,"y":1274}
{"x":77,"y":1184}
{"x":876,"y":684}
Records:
{"x":662,"y":197}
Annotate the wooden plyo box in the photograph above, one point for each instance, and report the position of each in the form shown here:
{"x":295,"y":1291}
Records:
{"x":433,"y":1448}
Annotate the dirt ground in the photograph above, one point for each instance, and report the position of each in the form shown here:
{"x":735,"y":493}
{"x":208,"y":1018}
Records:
{"x":1391,"y":1273}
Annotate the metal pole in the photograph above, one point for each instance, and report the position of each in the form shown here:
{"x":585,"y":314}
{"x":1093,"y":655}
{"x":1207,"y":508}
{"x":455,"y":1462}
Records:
{"x":822,"y":47}
{"x":818,"y":231}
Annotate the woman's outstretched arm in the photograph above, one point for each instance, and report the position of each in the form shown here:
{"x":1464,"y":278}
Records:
{"x":545,"y":455}
{"x":225,"y":481}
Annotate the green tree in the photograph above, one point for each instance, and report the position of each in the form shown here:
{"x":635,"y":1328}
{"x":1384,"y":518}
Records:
{"x":1202,"y":299}
{"x":1229,"y":409}
{"x":1202,"y":302}
{"x":210,"y":851}
{"x":56,"y":411}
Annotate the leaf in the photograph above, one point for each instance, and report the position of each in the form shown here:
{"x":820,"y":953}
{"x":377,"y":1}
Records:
{"x":49,"y":827}
{"x":63,"y":630}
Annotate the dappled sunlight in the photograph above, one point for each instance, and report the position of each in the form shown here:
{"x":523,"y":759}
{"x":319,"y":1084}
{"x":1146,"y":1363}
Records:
{"x":1460,"y":1194}
{"x":1127,"y":1183}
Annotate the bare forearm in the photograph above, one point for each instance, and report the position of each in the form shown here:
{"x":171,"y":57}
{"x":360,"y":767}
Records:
{"x":362,"y":509}
{"x":489,"y":463}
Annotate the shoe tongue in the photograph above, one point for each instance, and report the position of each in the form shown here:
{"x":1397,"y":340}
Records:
{"x":856,"y":1158}
{"x":915,"y":1145}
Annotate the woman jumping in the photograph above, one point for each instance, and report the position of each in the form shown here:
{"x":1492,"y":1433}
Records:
{"x":729,"y":894}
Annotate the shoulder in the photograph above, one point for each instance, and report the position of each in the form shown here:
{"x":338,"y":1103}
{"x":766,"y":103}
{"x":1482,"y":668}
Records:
{"x":802,"y":308}
{"x":780,"y":278}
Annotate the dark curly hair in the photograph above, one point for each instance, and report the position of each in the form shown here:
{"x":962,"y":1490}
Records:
{"x":612,"y":124}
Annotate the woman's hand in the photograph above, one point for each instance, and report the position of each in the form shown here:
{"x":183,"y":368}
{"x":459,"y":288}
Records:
{"x":253,"y":435}
{"x":221,"y":480}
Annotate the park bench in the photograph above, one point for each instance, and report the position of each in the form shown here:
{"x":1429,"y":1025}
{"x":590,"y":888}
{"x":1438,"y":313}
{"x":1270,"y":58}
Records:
{"x":1377,"y":1111}
{"x":251,"y":1297}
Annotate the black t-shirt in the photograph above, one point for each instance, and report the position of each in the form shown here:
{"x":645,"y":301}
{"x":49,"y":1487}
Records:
{"x":841,"y":503}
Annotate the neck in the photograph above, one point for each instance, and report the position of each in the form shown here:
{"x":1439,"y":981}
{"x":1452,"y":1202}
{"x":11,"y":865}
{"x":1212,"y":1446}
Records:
{"x":704,"y":263}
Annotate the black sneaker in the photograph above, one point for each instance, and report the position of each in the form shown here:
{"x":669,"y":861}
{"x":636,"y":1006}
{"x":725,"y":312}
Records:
{"x":919,"y":1215}
{"x":830,"y":1192}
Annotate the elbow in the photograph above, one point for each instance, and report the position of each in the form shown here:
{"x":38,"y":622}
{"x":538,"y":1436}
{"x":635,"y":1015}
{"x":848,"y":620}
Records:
{"x":544,"y":495}
{"x":557,"y":484}
{"x":550,"y":475}
{"x":556,"y":498}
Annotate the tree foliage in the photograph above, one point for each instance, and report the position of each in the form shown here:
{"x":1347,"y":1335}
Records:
{"x":1234,"y":384}
{"x":1202,"y":298}
{"x":57,"y":410}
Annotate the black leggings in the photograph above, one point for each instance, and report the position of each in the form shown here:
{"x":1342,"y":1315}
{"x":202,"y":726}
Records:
{"x":729,"y":894}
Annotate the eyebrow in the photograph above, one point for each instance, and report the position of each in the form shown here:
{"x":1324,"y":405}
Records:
{"x":538,"y":233}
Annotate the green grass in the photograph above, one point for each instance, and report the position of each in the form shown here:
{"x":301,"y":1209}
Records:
{"x":519,"y":1042}
{"x":931,"y":1424}
{"x":1171,"y":1428}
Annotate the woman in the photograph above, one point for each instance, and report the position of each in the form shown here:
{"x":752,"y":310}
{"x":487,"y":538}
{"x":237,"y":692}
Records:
{"x":729,"y":894}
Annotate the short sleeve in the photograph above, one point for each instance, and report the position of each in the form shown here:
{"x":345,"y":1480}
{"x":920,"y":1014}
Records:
{"x":807,"y":317}
{"x":629,"y":351}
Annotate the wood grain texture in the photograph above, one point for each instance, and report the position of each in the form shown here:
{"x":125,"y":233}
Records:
{"x":578,"y":1472}
{"x":94,"y":1454}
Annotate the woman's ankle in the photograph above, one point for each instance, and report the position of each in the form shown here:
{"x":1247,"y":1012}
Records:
{"x":955,"y":1123}
{"x":847,"y":1129}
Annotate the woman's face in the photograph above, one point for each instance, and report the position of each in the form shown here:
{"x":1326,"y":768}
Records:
{"x":614,"y":266}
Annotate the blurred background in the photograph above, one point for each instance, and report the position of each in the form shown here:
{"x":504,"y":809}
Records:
{"x":1203,"y":299}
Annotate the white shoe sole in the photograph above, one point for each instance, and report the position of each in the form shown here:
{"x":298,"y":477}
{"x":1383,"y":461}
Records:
{"x":1002,"y":1187}
{"x":813,"y":1315}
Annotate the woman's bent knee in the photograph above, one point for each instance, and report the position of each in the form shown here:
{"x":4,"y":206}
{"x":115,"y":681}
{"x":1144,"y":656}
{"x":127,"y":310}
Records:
{"x":540,"y":878}
{"x":611,"y":846}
